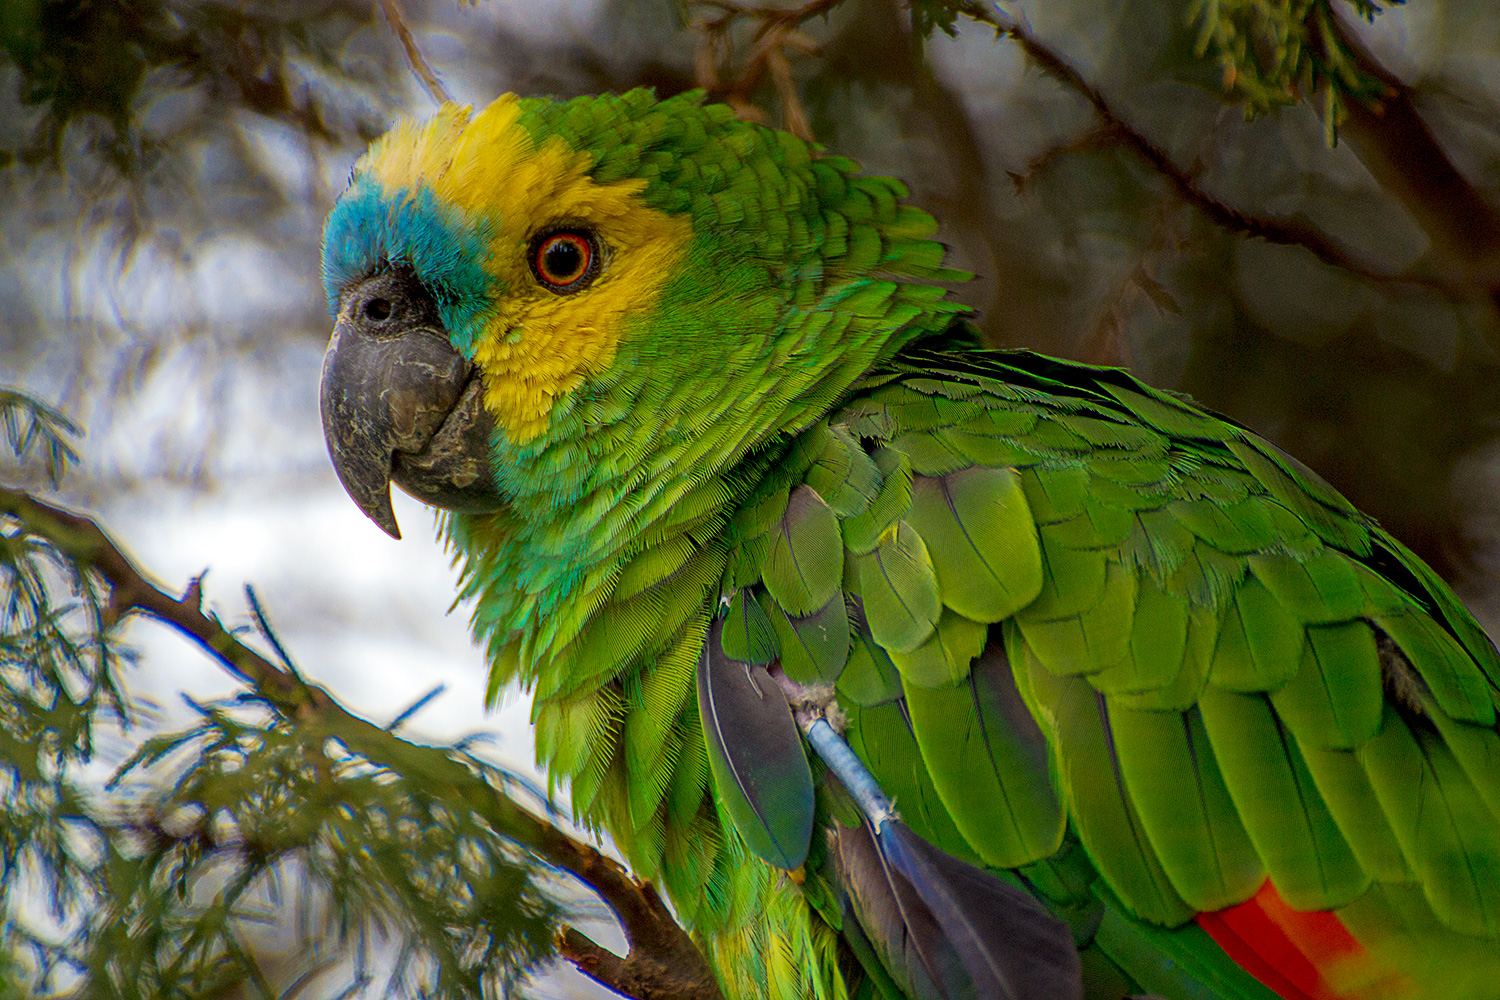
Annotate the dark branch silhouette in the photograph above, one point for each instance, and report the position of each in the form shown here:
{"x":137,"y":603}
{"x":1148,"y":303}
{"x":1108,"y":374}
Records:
{"x":776,"y":32}
{"x":1394,"y":143}
{"x":1293,"y":230}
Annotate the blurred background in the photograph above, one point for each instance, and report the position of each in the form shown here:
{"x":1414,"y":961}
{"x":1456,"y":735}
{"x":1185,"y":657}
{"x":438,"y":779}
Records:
{"x":1149,"y":184}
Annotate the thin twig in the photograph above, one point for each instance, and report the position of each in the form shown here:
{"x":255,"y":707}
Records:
{"x":795,"y":116}
{"x":773,"y":35}
{"x":662,"y":963}
{"x":1282,"y":230}
{"x":414,"y":57}
{"x":1096,"y":136}
{"x":263,"y":625}
{"x":773,"y":15}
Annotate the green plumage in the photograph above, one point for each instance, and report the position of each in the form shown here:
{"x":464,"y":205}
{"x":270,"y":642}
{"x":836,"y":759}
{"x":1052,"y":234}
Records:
{"x":899,"y":589}
{"x":1213,"y":659}
{"x":1075,"y":626}
{"x":981,"y":539}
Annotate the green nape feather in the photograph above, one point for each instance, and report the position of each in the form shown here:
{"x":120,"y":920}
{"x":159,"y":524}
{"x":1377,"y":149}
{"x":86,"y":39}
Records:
{"x":1075,"y":626}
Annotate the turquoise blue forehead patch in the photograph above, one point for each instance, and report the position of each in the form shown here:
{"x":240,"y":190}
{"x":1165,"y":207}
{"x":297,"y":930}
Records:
{"x":370,"y":228}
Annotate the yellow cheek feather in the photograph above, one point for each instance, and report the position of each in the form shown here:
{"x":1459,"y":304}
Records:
{"x":537,"y":345}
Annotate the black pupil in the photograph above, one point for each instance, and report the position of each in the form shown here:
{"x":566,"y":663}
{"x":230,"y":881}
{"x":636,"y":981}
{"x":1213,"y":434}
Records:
{"x":378,"y":309}
{"x":563,"y":260}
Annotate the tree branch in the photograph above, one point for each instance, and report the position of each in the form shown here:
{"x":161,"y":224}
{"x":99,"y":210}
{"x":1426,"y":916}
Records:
{"x":663,"y":963}
{"x":1282,"y":230}
{"x":414,"y":57}
{"x":1396,"y":146}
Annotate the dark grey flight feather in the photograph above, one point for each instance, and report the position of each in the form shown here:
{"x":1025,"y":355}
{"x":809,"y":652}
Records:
{"x":943,"y":927}
{"x":1012,"y":946}
{"x":755,"y":750}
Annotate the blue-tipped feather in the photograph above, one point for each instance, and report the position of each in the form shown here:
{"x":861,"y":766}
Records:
{"x":857,"y":779}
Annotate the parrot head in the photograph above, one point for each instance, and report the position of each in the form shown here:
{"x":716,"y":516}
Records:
{"x":583,"y":306}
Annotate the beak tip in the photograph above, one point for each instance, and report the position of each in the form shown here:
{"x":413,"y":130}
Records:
{"x":371,"y":493}
{"x":383,"y":516}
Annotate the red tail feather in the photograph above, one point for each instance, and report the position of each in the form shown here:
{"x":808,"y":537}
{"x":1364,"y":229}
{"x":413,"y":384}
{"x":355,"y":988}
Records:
{"x":1283,"y":948}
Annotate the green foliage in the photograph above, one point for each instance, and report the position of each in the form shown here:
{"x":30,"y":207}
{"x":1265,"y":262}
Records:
{"x":1272,"y":52}
{"x":59,"y":671}
{"x":932,"y":15}
{"x":59,"y":680}
{"x":173,"y":892}
{"x":1276,"y":52}
{"x":265,"y":808}
{"x":29,"y":426}
{"x":109,"y":60}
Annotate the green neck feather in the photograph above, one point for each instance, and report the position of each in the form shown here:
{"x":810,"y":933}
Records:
{"x":594,"y":587}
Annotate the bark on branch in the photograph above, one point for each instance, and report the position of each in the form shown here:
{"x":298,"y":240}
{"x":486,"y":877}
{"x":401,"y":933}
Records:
{"x":1284,"y":230}
{"x":663,"y":963}
{"x":1394,"y":143}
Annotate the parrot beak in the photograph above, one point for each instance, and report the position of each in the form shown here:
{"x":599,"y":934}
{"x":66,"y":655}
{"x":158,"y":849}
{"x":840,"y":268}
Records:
{"x":401,"y":405}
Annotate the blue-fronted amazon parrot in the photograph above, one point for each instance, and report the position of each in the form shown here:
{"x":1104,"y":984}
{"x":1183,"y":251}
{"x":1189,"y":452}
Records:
{"x":1151,"y":708}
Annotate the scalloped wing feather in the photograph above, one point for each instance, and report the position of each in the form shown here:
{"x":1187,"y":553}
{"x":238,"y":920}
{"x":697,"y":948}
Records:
{"x":1232,"y":672}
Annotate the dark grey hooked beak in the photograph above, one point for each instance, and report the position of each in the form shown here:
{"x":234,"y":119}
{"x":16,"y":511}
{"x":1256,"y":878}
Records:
{"x":401,"y":405}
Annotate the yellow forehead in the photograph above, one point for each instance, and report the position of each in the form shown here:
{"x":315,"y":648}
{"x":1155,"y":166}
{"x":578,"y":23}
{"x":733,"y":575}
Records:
{"x":537,"y":345}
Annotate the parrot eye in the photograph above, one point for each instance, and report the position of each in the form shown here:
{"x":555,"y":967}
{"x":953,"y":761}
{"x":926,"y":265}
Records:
{"x":565,"y":260}
{"x":378,"y":309}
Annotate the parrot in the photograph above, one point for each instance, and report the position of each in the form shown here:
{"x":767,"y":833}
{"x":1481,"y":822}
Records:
{"x":906,"y":667}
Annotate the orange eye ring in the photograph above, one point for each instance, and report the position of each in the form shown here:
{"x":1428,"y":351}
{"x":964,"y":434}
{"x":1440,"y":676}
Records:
{"x":565,"y":260}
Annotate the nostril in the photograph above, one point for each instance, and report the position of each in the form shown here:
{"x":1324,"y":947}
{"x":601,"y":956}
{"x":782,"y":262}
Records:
{"x":378,"y":309}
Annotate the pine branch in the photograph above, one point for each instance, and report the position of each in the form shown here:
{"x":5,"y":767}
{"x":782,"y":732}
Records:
{"x":663,"y":963}
{"x":28,"y":425}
